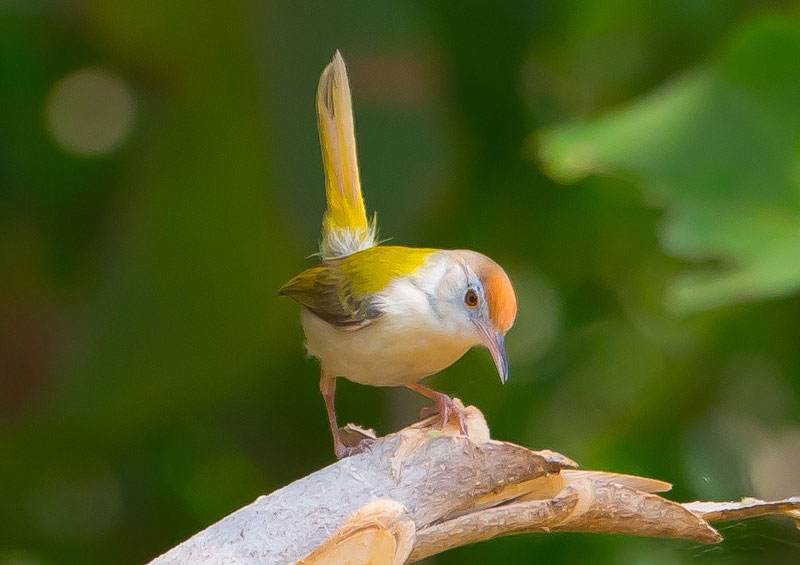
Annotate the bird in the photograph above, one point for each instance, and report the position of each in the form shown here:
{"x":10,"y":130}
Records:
{"x":388,"y":315}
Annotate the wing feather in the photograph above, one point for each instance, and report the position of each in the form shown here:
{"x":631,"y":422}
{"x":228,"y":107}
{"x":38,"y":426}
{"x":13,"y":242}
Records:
{"x":345,"y":292}
{"x":326,"y":291}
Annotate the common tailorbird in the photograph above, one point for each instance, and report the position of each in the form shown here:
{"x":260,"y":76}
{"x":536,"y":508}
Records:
{"x":388,"y":315}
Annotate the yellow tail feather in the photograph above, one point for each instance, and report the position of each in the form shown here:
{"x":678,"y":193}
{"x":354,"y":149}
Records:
{"x":345,"y":228}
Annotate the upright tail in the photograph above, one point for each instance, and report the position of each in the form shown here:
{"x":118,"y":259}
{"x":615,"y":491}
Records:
{"x":345,"y":228}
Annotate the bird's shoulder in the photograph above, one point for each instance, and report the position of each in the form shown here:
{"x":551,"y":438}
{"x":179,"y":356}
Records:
{"x":344,"y":291}
{"x":372,"y":270}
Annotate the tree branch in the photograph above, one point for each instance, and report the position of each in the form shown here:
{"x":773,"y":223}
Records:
{"x":421,"y":491}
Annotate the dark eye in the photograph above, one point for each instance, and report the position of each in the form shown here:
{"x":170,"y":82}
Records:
{"x":471,"y":298}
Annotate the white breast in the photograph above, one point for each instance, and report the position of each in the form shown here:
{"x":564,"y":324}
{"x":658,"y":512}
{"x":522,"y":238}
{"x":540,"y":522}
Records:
{"x":408,"y":342}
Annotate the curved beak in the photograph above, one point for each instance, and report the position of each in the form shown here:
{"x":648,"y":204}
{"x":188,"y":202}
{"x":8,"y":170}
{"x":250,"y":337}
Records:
{"x":495,"y":343}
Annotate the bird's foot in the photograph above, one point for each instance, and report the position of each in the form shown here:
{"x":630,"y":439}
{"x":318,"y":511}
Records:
{"x":341,"y":450}
{"x":447,"y":409}
{"x":352,"y":440}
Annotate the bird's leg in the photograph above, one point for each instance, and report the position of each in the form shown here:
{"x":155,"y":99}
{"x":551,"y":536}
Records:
{"x":444,"y":406}
{"x":327,"y":385}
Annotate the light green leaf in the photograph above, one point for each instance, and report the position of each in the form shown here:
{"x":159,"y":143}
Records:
{"x":719,"y":150}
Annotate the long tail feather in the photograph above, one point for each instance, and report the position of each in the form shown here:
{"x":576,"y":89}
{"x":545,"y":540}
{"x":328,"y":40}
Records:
{"x":345,"y":228}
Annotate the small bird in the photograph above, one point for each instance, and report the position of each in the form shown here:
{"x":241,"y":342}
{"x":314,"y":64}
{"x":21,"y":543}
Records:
{"x":388,"y":315}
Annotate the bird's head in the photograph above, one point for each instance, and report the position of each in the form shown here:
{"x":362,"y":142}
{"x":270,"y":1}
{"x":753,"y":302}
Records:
{"x":475,"y":295}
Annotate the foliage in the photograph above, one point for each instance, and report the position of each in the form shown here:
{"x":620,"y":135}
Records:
{"x":719,"y":150}
{"x":160,"y":178}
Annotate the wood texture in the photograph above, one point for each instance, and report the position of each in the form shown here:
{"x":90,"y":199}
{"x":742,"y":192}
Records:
{"x":422,"y":491}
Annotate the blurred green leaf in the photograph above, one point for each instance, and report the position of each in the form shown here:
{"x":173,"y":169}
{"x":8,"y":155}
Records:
{"x":718,"y":149}
{"x":150,"y":378}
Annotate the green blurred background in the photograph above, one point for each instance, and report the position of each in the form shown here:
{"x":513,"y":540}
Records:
{"x":635,"y":166}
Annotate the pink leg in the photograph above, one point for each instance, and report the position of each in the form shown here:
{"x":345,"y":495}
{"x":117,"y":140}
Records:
{"x":327,"y":386}
{"x":444,"y":406}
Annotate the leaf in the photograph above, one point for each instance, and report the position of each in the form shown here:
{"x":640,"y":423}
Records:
{"x":718,"y":149}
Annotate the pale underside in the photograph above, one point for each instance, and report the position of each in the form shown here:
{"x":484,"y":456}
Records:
{"x":378,"y":354}
{"x":407,"y":342}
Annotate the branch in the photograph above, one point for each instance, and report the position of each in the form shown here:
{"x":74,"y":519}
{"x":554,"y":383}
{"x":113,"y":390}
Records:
{"x":421,"y":491}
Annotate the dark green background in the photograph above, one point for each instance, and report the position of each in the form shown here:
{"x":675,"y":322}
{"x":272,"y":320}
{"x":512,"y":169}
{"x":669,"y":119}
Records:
{"x":635,"y":166}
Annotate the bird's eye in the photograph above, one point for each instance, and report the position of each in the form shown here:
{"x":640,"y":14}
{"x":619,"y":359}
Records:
{"x":471,"y":298}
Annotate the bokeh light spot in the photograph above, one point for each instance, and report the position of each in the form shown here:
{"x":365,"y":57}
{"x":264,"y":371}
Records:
{"x":90,"y":112}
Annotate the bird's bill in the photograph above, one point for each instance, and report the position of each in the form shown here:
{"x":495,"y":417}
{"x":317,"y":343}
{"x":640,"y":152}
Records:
{"x":495,"y":343}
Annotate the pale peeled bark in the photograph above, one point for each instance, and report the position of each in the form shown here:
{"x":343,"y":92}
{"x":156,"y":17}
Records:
{"x":422,"y":491}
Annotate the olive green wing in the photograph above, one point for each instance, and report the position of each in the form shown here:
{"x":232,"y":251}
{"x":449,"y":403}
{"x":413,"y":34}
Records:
{"x":327,"y":292}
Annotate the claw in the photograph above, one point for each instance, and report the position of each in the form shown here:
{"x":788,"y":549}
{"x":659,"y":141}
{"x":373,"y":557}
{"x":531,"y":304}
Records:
{"x":447,"y":408}
{"x":444,"y":406}
{"x":341,"y":450}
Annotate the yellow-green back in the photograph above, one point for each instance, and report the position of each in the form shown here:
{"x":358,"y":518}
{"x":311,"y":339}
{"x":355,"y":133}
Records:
{"x":342,"y":291}
{"x":373,"y":269}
